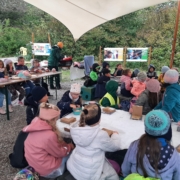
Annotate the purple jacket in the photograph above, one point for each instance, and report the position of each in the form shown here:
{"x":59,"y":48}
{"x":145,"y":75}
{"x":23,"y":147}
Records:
{"x":171,"y":171}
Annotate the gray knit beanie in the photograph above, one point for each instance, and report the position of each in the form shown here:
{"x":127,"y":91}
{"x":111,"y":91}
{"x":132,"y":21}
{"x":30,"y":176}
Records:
{"x":141,"y":76}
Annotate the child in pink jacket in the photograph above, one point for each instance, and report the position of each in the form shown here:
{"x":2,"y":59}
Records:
{"x":139,"y":84}
{"x":45,"y":150}
{"x":126,"y":85}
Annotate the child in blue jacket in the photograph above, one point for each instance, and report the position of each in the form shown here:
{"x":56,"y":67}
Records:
{"x":171,"y":98}
{"x":71,"y":100}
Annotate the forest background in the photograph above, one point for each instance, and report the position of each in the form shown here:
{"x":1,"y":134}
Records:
{"x":150,"y":27}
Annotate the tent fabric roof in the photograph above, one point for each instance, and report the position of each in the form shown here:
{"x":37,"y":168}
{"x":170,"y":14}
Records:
{"x":80,"y":16}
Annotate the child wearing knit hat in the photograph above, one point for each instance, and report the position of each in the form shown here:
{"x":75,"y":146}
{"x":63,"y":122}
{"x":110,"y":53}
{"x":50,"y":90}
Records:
{"x":164,"y":69}
{"x":171,"y":99}
{"x":152,"y":155}
{"x":139,"y":84}
{"x":149,"y":98}
{"x":32,"y":101}
{"x":70,"y":100}
{"x":45,"y":149}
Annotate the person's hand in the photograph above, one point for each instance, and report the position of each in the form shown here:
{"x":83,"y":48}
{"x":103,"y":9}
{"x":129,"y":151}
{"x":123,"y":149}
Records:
{"x":6,"y":77}
{"x":72,"y":146}
{"x":73,"y":106}
{"x":78,"y":106}
{"x":178,"y":123}
{"x":115,"y":132}
{"x":39,"y":71}
{"x":119,"y":105}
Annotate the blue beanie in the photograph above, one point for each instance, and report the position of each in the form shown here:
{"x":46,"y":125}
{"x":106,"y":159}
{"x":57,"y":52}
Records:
{"x":157,"y":123}
{"x":38,"y":93}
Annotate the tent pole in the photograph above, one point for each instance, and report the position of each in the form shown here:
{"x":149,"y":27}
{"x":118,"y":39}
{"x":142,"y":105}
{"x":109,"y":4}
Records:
{"x":175,"y":36}
{"x":149,"y":58}
{"x":124,"y":57}
{"x":33,"y":42}
{"x":100,"y":59}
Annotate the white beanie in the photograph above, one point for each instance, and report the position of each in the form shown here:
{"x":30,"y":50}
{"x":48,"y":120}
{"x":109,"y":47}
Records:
{"x":75,"y":88}
{"x":164,"y":69}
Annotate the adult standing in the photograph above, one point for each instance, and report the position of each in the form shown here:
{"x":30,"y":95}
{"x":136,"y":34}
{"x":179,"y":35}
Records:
{"x":53,"y":61}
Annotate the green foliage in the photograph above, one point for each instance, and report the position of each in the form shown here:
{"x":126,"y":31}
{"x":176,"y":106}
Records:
{"x":153,"y":26}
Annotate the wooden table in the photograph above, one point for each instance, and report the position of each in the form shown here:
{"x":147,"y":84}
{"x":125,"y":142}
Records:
{"x":13,"y":81}
{"x":129,"y":130}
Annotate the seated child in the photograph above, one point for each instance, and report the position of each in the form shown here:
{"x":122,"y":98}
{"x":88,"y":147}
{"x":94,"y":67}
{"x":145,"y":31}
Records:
{"x":45,"y":149}
{"x":135,"y":73}
{"x":171,"y":99}
{"x":150,"y":97}
{"x":93,"y":76}
{"x":110,"y":99}
{"x":28,"y":85}
{"x":105,"y":65}
{"x":164,"y":69}
{"x":151,"y":72}
{"x":70,"y":100}
{"x":126,"y":85}
{"x":38,"y":69}
{"x":13,"y":88}
{"x":32,"y":101}
{"x":4,"y":78}
{"x":100,"y":90}
{"x":153,"y":155}
{"x":118,"y":70}
{"x":87,"y":160}
{"x":138,"y":84}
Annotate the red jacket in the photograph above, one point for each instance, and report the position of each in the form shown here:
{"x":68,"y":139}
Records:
{"x":42,"y":150}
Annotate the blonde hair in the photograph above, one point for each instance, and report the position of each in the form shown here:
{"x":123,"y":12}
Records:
{"x":92,"y":112}
{"x":52,"y":122}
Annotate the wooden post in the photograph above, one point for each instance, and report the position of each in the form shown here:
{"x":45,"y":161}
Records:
{"x":149,"y":57}
{"x":175,"y":36}
{"x":100,"y":55}
{"x":33,"y":42}
{"x":49,"y":38}
{"x":124,"y":57}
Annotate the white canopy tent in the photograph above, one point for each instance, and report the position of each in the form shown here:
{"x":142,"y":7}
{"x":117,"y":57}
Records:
{"x":80,"y":16}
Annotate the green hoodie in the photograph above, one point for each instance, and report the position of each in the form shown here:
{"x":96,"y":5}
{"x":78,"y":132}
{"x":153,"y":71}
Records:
{"x":94,"y":72}
{"x":138,"y":177}
{"x":111,"y":88}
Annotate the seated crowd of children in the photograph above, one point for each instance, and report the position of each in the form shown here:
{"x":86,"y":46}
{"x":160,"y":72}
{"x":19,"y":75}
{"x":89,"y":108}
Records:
{"x":41,"y":146}
{"x":19,"y":90}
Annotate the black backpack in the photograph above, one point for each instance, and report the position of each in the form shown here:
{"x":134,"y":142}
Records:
{"x":17,"y":158}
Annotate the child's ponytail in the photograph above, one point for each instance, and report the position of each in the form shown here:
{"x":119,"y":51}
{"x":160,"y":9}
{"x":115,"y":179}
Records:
{"x":82,"y":120}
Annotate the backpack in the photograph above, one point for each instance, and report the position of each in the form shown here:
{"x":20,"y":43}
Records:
{"x":24,"y":75}
{"x":17,"y":158}
{"x":125,"y":105}
{"x":27,"y":173}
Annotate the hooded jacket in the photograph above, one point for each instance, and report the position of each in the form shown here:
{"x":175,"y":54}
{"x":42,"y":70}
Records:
{"x":143,"y":100}
{"x":171,"y":101}
{"x":138,"y":87}
{"x":126,"y":86}
{"x":32,"y":108}
{"x":170,"y":171}
{"x":64,"y":104}
{"x":55,"y":56}
{"x":87,"y":161}
{"x":94,"y":72}
{"x":100,"y":90}
{"x":111,"y":88}
{"x":152,"y":74}
{"x":43,"y":152}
